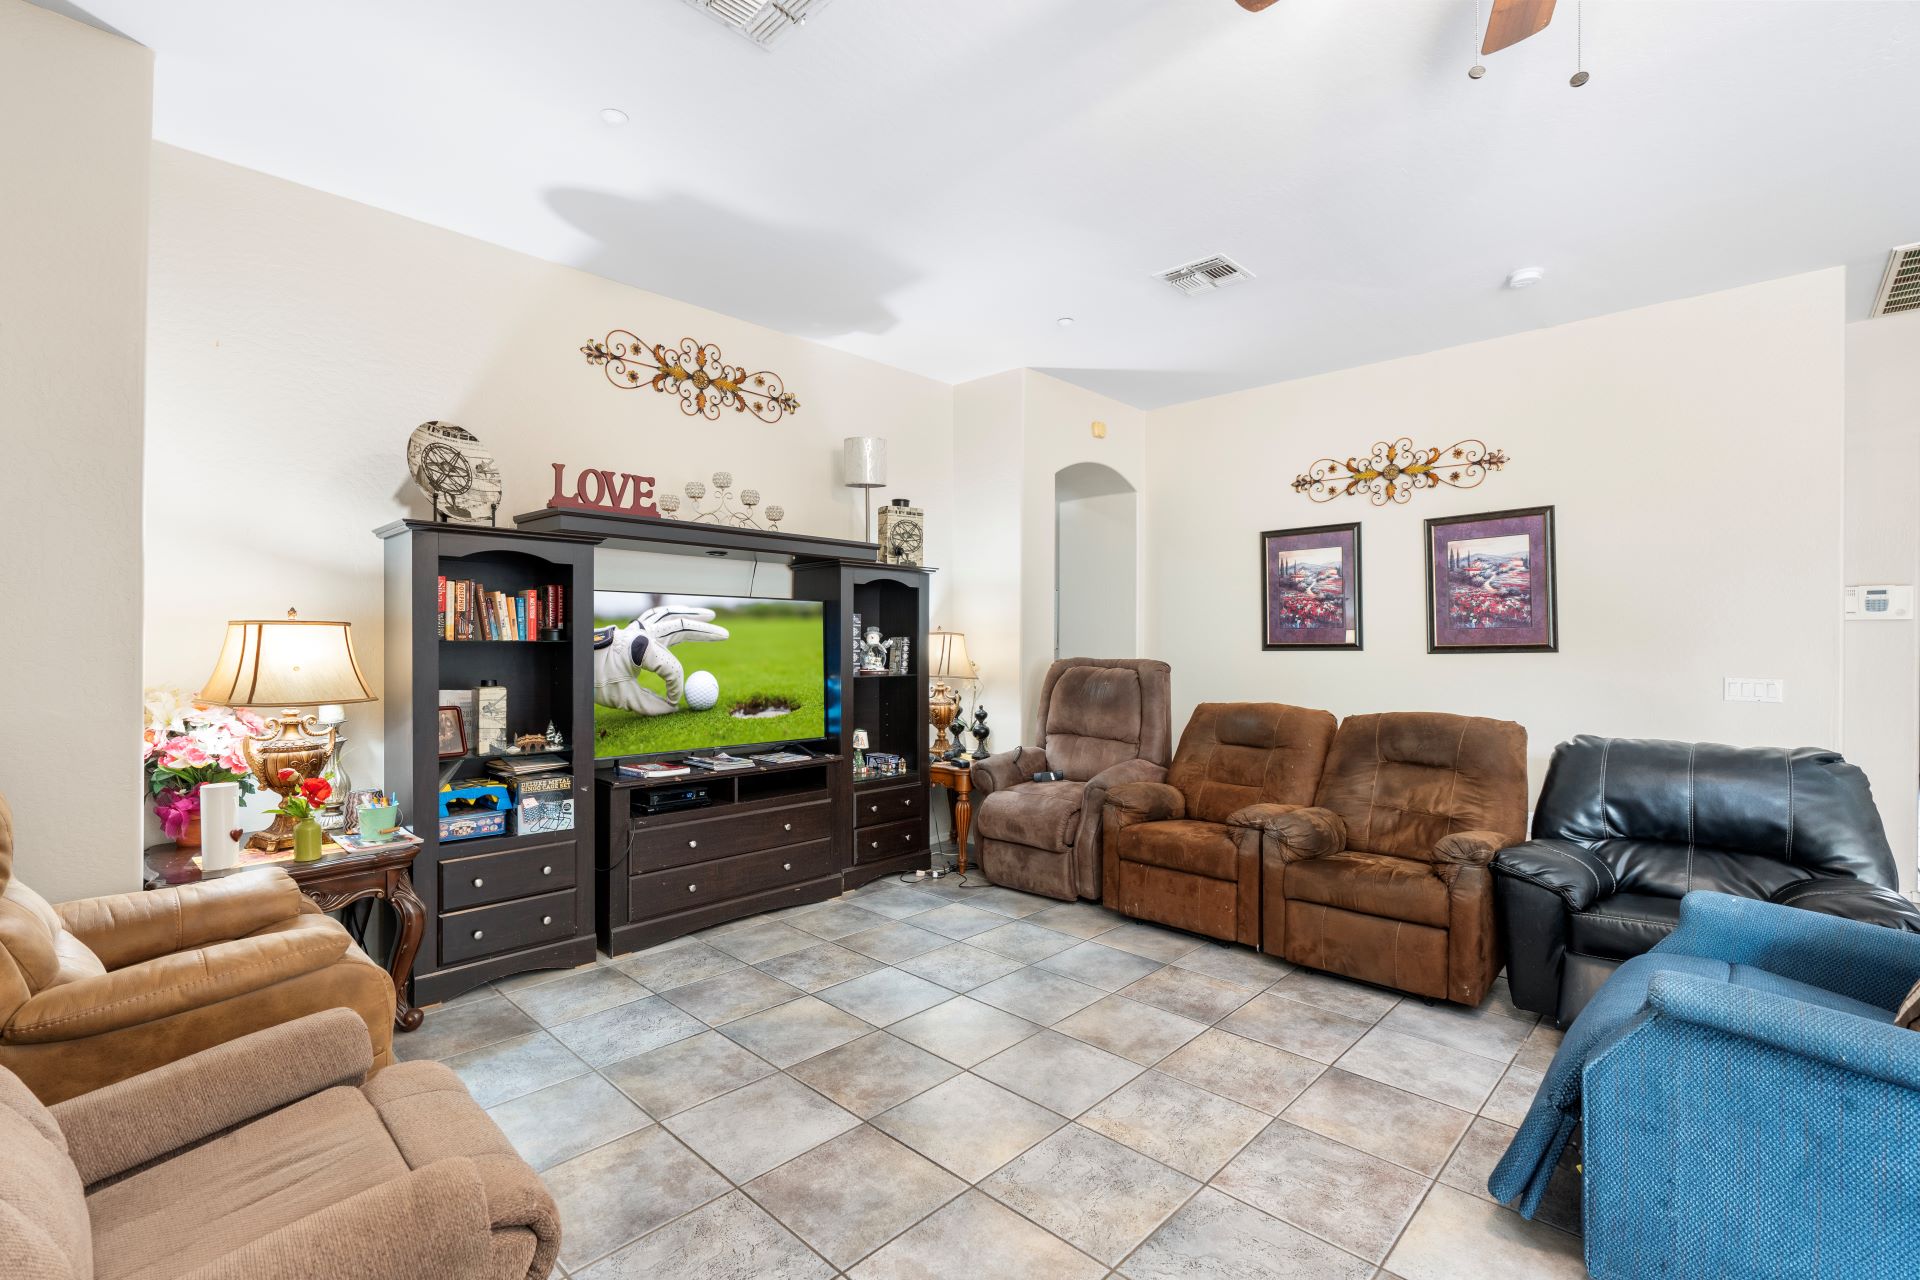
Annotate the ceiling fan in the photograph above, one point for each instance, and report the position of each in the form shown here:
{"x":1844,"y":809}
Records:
{"x":1512,"y":20}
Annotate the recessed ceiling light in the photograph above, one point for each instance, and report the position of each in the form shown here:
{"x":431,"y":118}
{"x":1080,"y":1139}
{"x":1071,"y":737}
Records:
{"x":1526,"y":277}
{"x":613,"y":116}
{"x":1065,"y":322}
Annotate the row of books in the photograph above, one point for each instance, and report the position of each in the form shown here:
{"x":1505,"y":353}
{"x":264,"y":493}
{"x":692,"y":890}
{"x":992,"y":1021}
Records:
{"x":719,"y":762}
{"x":469,"y":611}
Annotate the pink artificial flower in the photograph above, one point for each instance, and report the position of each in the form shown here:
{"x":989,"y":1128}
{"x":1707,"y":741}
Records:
{"x":185,"y":753}
{"x":233,"y":762}
{"x":146,"y":746}
{"x":253,"y":723}
{"x":176,"y":811}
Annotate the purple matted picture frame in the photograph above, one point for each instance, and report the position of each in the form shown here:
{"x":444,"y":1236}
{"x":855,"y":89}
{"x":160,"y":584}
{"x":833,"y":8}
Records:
{"x":1490,"y":583}
{"x":1310,"y":588}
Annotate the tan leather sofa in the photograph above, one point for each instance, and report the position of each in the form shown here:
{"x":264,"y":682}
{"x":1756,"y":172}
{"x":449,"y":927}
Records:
{"x":1385,"y":878}
{"x":269,"y":1157}
{"x":1186,"y":852}
{"x":1103,"y":721}
{"x":101,"y":989}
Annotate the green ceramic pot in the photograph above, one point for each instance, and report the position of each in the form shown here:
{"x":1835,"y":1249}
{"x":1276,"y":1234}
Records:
{"x":306,"y":841}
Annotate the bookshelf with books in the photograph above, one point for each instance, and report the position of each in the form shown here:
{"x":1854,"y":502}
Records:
{"x":467,"y":605}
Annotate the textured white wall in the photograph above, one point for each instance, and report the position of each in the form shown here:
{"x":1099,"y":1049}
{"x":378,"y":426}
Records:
{"x":1096,"y":551}
{"x":1692,"y":451}
{"x":75,"y":123}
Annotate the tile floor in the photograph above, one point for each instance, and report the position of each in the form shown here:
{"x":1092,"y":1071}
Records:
{"x":941,"y":1080}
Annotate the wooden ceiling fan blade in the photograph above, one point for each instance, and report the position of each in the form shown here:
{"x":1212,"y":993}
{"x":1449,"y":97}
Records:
{"x":1255,"y":6}
{"x":1515,"y":20}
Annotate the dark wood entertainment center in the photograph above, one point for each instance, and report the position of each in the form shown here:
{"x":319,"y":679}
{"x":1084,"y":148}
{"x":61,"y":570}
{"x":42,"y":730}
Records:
{"x":637,"y":874}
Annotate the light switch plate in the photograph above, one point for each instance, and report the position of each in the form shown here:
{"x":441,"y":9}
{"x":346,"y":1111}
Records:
{"x":1751,"y":689}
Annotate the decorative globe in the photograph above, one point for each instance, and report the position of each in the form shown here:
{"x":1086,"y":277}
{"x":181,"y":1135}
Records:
{"x":669,"y":502}
{"x":696,"y":490}
{"x":751,"y":497}
{"x":776,"y":514}
{"x":723,"y":479}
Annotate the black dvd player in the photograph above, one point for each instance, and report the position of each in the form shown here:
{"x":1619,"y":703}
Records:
{"x":668,"y":799}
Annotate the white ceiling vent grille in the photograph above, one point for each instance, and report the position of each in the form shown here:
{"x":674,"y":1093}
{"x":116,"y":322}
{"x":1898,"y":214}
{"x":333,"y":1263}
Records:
{"x":1900,"y":287}
{"x":764,"y":22}
{"x":1205,"y":275}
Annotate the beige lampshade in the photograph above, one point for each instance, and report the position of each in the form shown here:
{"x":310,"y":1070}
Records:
{"x":950,"y":660}
{"x":288,"y":662}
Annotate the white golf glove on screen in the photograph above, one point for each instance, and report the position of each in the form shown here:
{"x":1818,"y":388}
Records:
{"x":646,"y":644}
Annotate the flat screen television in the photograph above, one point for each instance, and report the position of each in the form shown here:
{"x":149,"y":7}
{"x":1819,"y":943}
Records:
{"x":683,"y":673}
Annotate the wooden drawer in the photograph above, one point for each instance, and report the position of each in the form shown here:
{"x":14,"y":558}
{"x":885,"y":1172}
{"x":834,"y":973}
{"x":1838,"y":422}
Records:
{"x":659,"y":893}
{"x":870,"y":844}
{"x":660,"y":842}
{"x":497,"y":877}
{"x":873,"y":808}
{"x":506,"y":926}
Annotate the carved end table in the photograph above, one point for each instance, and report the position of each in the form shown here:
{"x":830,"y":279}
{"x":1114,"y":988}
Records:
{"x":336,"y":880}
{"x":959,"y":784}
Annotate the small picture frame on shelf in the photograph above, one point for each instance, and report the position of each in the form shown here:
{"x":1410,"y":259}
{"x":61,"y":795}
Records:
{"x":453,"y":733}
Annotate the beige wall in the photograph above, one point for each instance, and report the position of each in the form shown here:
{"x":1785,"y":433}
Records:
{"x":1882,"y":659}
{"x":299,"y":337}
{"x":75,"y":119}
{"x":1690,"y":450}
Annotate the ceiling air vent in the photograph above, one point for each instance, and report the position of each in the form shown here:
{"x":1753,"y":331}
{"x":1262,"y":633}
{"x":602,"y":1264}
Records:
{"x":1900,"y":287}
{"x":764,"y":22}
{"x":1205,"y":275}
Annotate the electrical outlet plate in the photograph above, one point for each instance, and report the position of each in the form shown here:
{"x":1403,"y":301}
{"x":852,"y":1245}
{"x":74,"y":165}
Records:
{"x":1750,"y":689}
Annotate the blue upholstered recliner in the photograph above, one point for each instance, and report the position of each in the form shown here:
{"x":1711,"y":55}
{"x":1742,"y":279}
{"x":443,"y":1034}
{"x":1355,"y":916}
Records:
{"x":1747,"y":1106}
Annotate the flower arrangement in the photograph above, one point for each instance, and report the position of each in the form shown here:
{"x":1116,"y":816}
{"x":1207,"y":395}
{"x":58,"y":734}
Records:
{"x":313,"y":793}
{"x":186,"y":745}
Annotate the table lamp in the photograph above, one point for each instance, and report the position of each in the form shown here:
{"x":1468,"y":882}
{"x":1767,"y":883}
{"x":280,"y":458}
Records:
{"x":286,"y":664}
{"x":863,"y":466}
{"x":950,"y":662}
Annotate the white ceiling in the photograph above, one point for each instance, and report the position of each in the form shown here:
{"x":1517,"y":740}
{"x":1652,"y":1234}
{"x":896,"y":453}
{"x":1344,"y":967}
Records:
{"x":933,"y":184}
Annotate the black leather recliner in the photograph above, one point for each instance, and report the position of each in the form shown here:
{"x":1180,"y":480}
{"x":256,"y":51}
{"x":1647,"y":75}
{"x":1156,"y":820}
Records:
{"x":1625,"y":827}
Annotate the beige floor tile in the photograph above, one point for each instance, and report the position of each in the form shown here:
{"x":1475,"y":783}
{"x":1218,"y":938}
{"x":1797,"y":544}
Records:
{"x":1018,"y":940}
{"x":873,"y":1073}
{"x":794,"y":1031}
{"x":575,"y":995}
{"x":976,"y":1238}
{"x":686,"y":1073}
{"x":676,"y":964}
{"x":1246,"y":1071}
{"x":499,"y":1072}
{"x":1037,"y":995}
{"x":1453,"y":1076}
{"x":1357,"y":1201}
{"x":1135,"y":1031}
{"x":1541,"y":1044}
{"x":1107,"y":968}
{"x":1189,"y":993}
{"x":892,"y":943}
{"x":968,"y":1125}
{"x":563,"y":1120}
{"x":1152,"y":941}
{"x":1081,"y":919}
{"x":760,"y":1127}
{"x":1176,"y":1123}
{"x":1472,"y":1161}
{"x":959,"y":920}
{"x":1215,"y":1237}
{"x":720,"y":1000}
{"x":1098,"y":1195}
{"x":835,"y":920}
{"x":959,"y":967}
{"x":1011,"y":903}
{"x":817,"y":968}
{"x":1344,"y":996}
{"x":625,"y":1189}
{"x":450,"y":1030}
{"x":534,"y":977}
{"x":1058,"y":1072}
{"x":764,"y":941}
{"x":1237,"y":964}
{"x":885,"y":996}
{"x":1380,"y":1120}
{"x":852,"y":1194}
{"x":1456,"y":1236}
{"x":1512,"y":1096}
{"x":1483,"y":1031}
{"x":730,"y":1239}
{"x":1299,"y":1028}
{"x":963,"y":1031}
{"x":627,"y":1029}
{"x":898,"y":902}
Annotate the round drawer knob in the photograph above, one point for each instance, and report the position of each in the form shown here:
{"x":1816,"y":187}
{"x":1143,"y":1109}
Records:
{"x":907,"y":801}
{"x":786,"y":866}
{"x":693,"y":844}
{"x":478,"y":934}
{"x":873,"y":808}
{"x":478,"y":882}
{"x":874,"y":845}
{"x":546,"y":919}
{"x":692,"y":888}
{"x":546,"y":871}
{"x":787,"y":827}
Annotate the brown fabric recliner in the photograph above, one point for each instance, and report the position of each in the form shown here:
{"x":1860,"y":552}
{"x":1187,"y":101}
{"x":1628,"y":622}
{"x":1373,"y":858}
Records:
{"x":269,"y":1157}
{"x":101,"y":989}
{"x":1186,"y":852}
{"x":1103,"y":722}
{"x":1385,"y":879}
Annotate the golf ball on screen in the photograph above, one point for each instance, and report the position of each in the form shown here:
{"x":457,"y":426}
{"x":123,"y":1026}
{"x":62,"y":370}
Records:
{"x":702,"y":690}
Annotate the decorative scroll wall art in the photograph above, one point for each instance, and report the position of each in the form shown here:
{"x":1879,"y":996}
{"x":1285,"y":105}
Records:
{"x":693,"y":371}
{"x":1392,"y":472}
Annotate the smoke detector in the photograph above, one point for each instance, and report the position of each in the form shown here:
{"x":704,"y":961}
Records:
{"x":1900,"y":287}
{"x":765,"y":22}
{"x":1205,"y":275}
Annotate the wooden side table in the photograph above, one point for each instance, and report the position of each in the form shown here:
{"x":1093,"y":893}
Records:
{"x":336,"y":880}
{"x":959,"y":784}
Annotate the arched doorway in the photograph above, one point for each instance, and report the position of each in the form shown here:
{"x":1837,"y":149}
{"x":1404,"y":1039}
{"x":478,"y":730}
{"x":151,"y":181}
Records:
{"x":1096,"y":557}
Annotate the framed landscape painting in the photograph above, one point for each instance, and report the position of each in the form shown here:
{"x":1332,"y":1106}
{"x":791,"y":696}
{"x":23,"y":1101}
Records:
{"x":1310,"y":588}
{"x":1490,"y":585}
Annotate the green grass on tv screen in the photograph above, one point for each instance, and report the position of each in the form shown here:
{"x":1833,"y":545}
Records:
{"x":772,"y":655}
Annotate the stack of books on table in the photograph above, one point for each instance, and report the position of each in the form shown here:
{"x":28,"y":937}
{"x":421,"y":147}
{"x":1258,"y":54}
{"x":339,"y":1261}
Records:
{"x":719,"y":762}
{"x":655,"y":769}
{"x":523,"y":765}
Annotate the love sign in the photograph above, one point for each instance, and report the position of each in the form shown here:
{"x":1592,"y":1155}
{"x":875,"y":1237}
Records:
{"x":597,"y":489}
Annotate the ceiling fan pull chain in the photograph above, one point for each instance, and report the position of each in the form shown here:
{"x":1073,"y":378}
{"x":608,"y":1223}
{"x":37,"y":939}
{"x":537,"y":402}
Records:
{"x":1477,"y":70}
{"x":1580,"y":75}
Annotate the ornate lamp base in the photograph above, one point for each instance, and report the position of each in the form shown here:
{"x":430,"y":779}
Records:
{"x":296,"y":742}
{"x":942,"y":707}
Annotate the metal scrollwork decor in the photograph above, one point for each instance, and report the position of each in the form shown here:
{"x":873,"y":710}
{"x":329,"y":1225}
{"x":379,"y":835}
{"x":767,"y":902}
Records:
{"x":694,"y":371}
{"x":1392,"y":472}
{"x":720,"y":509}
